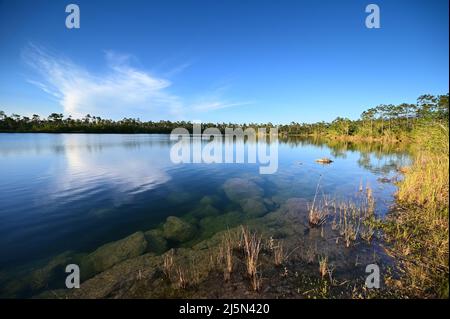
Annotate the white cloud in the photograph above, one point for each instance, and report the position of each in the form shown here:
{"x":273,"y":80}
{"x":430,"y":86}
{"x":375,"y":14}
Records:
{"x":121,"y":91}
{"x":215,"y":101}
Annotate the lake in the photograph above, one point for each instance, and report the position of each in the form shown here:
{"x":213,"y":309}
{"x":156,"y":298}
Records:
{"x":76,"y":192}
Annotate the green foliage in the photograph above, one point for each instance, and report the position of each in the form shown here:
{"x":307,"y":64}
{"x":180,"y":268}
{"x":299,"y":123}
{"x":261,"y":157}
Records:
{"x":420,"y":230}
{"x":382,"y":122}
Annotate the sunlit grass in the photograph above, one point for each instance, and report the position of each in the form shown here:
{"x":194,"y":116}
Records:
{"x":419,"y":231}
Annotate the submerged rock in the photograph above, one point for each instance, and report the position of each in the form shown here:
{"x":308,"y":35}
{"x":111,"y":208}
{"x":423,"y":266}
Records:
{"x":324,"y":160}
{"x":254,"y":207}
{"x":51,"y":274}
{"x":295,"y":205}
{"x":269,"y":202}
{"x":156,"y":243}
{"x":205,"y":210}
{"x":211,"y":225}
{"x":178,"y":230}
{"x":110,"y":254}
{"x":55,"y":268}
{"x":238,"y":189}
{"x":209,"y":200}
{"x":384,"y":180}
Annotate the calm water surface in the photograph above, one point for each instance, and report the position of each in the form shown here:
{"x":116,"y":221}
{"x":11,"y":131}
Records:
{"x":75,"y":192}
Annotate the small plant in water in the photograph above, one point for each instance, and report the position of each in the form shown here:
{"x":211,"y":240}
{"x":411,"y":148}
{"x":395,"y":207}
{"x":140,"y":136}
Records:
{"x":278,"y":254}
{"x":227,"y":255}
{"x":323,"y":266}
{"x":182,"y":281}
{"x":252,"y":248}
{"x":356,"y":218}
{"x":168,"y":263}
{"x":318,"y":211}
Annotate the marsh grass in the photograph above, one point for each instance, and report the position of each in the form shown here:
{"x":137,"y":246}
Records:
{"x":252,"y":247}
{"x":419,"y":230}
{"x":277,"y":250}
{"x":278,"y":254}
{"x":226,"y":254}
{"x":182,"y":279}
{"x":318,"y":210}
{"x":323,"y":266}
{"x":355,"y":218}
{"x":168,"y":263}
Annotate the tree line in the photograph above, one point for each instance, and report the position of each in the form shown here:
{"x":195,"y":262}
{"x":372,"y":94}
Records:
{"x":383,"y":121}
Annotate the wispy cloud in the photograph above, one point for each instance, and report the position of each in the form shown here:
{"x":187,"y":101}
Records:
{"x":213,"y":106}
{"x":121,"y":91}
{"x":215,"y":100}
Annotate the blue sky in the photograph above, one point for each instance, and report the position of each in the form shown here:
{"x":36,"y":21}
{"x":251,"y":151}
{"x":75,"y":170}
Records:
{"x":217,"y":60}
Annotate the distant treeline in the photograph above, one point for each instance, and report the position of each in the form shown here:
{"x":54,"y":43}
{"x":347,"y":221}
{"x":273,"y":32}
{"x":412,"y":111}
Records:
{"x":381,"y":122}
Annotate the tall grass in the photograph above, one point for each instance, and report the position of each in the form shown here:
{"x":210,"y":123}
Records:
{"x":168,"y":263}
{"x":226,"y":254}
{"x":252,"y":248}
{"x":426,"y":183}
{"x":420,"y":230}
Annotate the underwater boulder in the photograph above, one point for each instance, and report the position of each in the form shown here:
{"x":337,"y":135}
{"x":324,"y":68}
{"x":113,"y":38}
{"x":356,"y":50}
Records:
{"x":295,"y":205}
{"x":238,"y":189}
{"x":209,"y":200}
{"x":254,"y":207}
{"x":156,"y":243}
{"x":210,"y":225}
{"x":205,"y":210}
{"x":324,"y":160}
{"x":113,"y":253}
{"x":178,"y":230}
{"x":55,"y":268}
{"x":50,"y":274}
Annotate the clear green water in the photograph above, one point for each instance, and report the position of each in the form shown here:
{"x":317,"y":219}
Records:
{"x":75,"y":192}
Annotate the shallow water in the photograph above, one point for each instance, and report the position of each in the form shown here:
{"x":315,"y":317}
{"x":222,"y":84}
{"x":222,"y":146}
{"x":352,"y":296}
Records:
{"x":75,"y":192}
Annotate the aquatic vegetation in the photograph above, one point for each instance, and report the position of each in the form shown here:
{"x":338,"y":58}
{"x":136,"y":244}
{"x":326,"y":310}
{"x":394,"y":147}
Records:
{"x":317,"y":215}
{"x":277,"y":249}
{"x":323,"y":266}
{"x":355,"y":218}
{"x":252,"y":248}
{"x":278,"y":254}
{"x":227,"y":246}
{"x":168,"y":263}
{"x":318,"y":211}
{"x":182,"y":279}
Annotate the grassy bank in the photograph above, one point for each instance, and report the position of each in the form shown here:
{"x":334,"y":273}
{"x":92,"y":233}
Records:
{"x":419,"y":229}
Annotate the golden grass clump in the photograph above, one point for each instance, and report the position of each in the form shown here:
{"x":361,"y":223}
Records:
{"x":355,"y":219}
{"x":168,"y":263}
{"x":323,"y":266}
{"x":226,"y":254}
{"x":278,"y":254}
{"x":252,"y":248}
{"x":318,"y":211}
{"x":419,"y":230}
